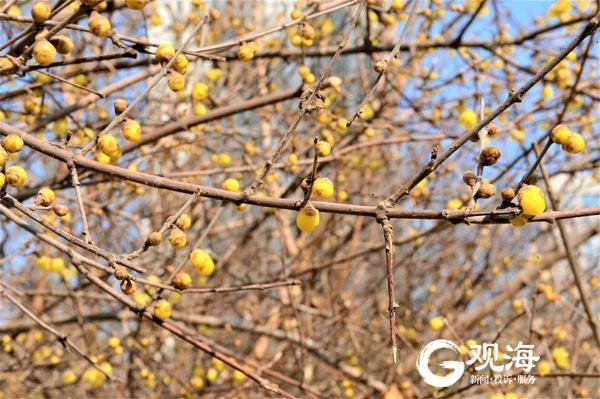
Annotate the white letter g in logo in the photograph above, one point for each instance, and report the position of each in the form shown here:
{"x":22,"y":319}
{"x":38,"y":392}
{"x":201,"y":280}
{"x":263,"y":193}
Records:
{"x":457,"y":367}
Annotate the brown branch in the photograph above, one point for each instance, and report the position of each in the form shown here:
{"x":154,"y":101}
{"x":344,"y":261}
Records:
{"x":62,"y":338}
{"x":389,"y":262}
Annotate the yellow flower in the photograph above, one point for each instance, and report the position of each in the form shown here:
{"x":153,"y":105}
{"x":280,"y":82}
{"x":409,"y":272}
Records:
{"x":184,"y":221}
{"x":131,"y":130}
{"x":323,"y":148}
{"x":162,"y":309}
{"x":108,"y":145}
{"x":213,"y":74}
{"x":436,"y":323}
{"x":561,"y":358}
{"x":212,"y":374}
{"x":202,"y":262}
{"x":231,"y":185}
{"x":531,"y":199}
{"x":165,"y":51}
{"x":454,"y":203}
{"x":12,"y":143}
{"x":181,"y":64}
{"x":199,"y":91}
{"x":99,"y":25}
{"x":323,"y":188}
{"x":307,"y":218}
{"x":468,"y":119}
{"x":245,"y":52}
{"x":575,"y":144}
{"x":113,"y":342}
{"x":44,"y":52}
{"x":176,"y":81}
{"x":177,"y":238}
{"x":68,"y":377}
{"x":561,"y":134}
{"x":543,"y":368}
{"x":16,"y":176}
{"x":40,"y":11}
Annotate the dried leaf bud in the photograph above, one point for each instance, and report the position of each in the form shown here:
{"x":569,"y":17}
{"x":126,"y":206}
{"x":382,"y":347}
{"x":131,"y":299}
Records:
{"x":60,"y":210}
{"x":127,"y":286}
{"x":470,"y":178}
{"x":380,"y":66}
{"x":304,"y":185}
{"x":120,"y":272}
{"x":489,"y":156}
{"x":154,"y":239}
{"x":492,"y":130}
{"x":508,"y":194}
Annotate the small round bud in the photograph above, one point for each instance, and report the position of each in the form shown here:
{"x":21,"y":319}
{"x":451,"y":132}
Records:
{"x":182,"y":280}
{"x":154,"y":239}
{"x":489,"y":156}
{"x":508,"y":194}
{"x":176,"y":81}
{"x":165,"y":51}
{"x":492,"y":130}
{"x":323,"y":148}
{"x":127,"y":286}
{"x":380,"y":66}
{"x":470,"y":178}
{"x":486,"y":190}
{"x":62,"y":43}
{"x":245,"y":52}
{"x":13,"y":143}
{"x":99,"y":25}
{"x":45,"y":197}
{"x":561,"y":134}
{"x":184,"y":221}
{"x":40,"y":11}
{"x":308,"y":32}
{"x":304,"y":185}
{"x":15,"y":176}
{"x":120,"y":272}
{"x":44,"y":52}
{"x":60,"y":210}
{"x":177,"y":238}
{"x":120,"y":105}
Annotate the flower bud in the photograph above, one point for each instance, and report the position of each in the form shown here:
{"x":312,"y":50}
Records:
{"x":486,"y":190}
{"x":120,"y":272}
{"x":120,"y":105}
{"x":45,"y":197}
{"x":470,"y":178}
{"x":508,"y":194}
{"x":182,"y":280}
{"x":154,"y":239}
{"x":380,"y":66}
{"x":492,"y":130}
{"x":44,"y":52}
{"x":489,"y":156}
{"x":60,"y":210}
{"x":99,"y":25}
{"x":62,"y":43}
{"x":127,"y":286}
